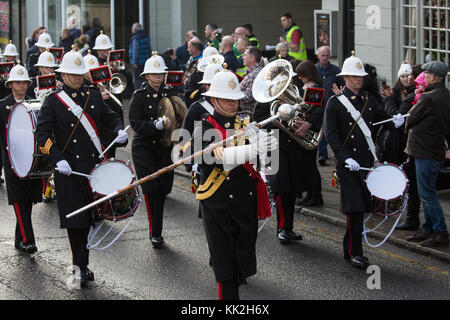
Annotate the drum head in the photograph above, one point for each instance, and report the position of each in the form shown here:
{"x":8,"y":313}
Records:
{"x":110,"y":176}
{"x":386,"y":182}
{"x":21,"y":139}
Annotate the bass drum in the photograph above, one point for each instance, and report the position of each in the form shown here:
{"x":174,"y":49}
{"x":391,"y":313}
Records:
{"x":21,"y":143}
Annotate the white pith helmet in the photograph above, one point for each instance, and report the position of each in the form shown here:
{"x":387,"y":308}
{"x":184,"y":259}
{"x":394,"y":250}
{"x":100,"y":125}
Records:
{"x":10,"y":50}
{"x":154,"y":64}
{"x":353,"y":66}
{"x":102,"y":42}
{"x":91,"y":61}
{"x":45,"y":41}
{"x":46,"y":59}
{"x":73,"y":63}
{"x":210,"y":72}
{"x":225,"y":85}
{"x":17,"y":73}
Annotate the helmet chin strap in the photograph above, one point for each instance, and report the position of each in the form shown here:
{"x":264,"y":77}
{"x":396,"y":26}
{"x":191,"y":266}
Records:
{"x":222,"y":111}
{"x":70,"y":83}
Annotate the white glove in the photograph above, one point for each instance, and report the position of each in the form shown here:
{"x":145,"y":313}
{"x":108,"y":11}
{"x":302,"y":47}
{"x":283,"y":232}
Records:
{"x":252,"y":133}
{"x":64,"y":168}
{"x":195,"y":168}
{"x":399,"y":120}
{"x":122,"y":136}
{"x":352,"y":164}
{"x":159,"y":124}
{"x":265,"y":143}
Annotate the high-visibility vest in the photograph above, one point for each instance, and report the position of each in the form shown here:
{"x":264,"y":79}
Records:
{"x":254,"y":39}
{"x":241,"y":71}
{"x":301,"y":54}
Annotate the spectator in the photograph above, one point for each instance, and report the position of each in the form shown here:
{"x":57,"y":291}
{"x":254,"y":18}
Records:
{"x":228,"y":54}
{"x":66,"y":41}
{"x":252,"y":58}
{"x":192,"y":76}
{"x":169,"y":59}
{"x":243,"y":43}
{"x":82,"y":45}
{"x":210,"y":35}
{"x":182,"y":51}
{"x":328,"y":72}
{"x":240,"y":32}
{"x":32,"y":48}
{"x":73,"y":26}
{"x":282,"y":52}
{"x":94,"y":31}
{"x":293,"y":36}
{"x":254,"y":42}
{"x":428,"y":128}
{"x":139,"y":52}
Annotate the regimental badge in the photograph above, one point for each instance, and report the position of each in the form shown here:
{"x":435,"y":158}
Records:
{"x":358,"y":66}
{"x":156,"y":64}
{"x":20,"y":72}
{"x":49,"y":59}
{"x":11,"y":49}
{"x":104,"y":41}
{"x":78,"y":62}
{"x":213,"y":60}
{"x":47,"y":40}
{"x":231,"y":84}
{"x":91,"y":62}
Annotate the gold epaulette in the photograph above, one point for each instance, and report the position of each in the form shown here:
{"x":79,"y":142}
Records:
{"x":193,"y":94}
{"x":214,"y":181}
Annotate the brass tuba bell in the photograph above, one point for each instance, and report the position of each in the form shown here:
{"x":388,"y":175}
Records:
{"x":273,"y":83}
{"x":118,"y":83}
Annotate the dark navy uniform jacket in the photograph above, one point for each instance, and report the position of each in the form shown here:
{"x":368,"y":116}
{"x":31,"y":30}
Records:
{"x":55,"y":125}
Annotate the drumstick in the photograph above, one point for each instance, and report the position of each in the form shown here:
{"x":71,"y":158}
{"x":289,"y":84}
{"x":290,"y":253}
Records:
{"x":391,"y":119}
{"x":362,"y":168}
{"x":171,"y":167}
{"x":78,"y":174}
{"x":112,"y":143}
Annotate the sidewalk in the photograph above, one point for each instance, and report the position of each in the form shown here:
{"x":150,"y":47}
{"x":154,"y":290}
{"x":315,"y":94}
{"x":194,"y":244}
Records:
{"x":329,"y":212}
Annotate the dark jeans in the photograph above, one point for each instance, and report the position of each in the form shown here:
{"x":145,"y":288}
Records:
{"x":427,"y":172}
{"x":413,"y":206}
{"x":137,"y":79}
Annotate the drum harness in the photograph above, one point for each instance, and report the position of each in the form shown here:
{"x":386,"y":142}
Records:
{"x":368,"y":136}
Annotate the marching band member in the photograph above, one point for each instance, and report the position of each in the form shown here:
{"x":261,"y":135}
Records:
{"x":70,"y":125}
{"x":45,"y":42}
{"x":102,"y":48}
{"x":296,"y":172}
{"x":91,"y":63}
{"x":46,"y":65}
{"x":149,"y":154}
{"x":22,"y":193}
{"x":231,"y":192}
{"x":195,"y":113}
{"x":349,"y":132}
{"x":11,"y":55}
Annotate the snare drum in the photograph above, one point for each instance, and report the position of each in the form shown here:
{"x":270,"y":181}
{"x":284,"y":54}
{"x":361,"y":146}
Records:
{"x":21,"y":143}
{"x":387,"y":184}
{"x":107,"y":177}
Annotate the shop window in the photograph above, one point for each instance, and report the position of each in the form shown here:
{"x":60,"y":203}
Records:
{"x":425,"y":30}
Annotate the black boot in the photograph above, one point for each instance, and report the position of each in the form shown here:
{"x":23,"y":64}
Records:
{"x":316,"y":201}
{"x":302,"y":201}
{"x":410,"y":224}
